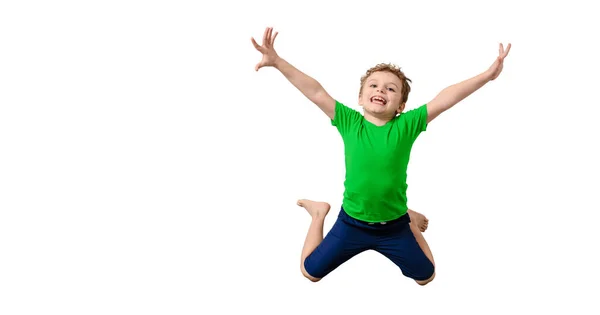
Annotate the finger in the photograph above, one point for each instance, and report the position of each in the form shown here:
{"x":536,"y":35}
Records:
{"x":507,"y":50}
{"x":255,"y":44}
{"x":267,"y":42}
{"x":273,"y":40}
{"x":501,"y":50}
{"x":265,"y":35}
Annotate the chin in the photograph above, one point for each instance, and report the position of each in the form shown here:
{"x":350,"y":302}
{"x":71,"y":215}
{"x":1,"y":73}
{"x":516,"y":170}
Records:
{"x":377,"y":109}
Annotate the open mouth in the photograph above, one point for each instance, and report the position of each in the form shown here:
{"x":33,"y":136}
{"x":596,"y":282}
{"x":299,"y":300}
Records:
{"x":378,"y":100}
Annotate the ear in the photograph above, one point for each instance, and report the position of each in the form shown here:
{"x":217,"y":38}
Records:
{"x":360,"y":99}
{"x":401,"y":108}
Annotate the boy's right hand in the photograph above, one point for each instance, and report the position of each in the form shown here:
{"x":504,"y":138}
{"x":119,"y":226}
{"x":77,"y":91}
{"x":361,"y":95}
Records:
{"x":269,"y":54}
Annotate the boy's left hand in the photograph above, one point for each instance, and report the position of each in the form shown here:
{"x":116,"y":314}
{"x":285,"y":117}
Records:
{"x":494,"y":71}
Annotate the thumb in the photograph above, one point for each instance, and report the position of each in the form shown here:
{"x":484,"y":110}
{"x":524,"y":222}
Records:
{"x":258,"y":66}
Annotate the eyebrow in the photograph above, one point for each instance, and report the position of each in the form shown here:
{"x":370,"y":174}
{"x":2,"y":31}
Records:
{"x":395,"y":85}
{"x":371,"y":80}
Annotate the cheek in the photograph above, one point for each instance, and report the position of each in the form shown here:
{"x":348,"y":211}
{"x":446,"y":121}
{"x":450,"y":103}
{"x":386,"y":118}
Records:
{"x":363,"y":98}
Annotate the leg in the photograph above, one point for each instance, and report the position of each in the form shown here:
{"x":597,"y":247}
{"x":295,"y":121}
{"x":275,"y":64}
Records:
{"x":403,"y":243}
{"x":421,"y":221}
{"x":425,"y":248}
{"x":318,"y":211}
{"x":321,"y":255}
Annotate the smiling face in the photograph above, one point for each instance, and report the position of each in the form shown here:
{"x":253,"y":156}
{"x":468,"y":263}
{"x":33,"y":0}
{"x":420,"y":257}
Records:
{"x":384,"y":92}
{"x":381,"y":95}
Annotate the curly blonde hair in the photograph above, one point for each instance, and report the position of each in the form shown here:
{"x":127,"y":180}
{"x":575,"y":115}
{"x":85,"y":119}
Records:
{"x":389,"y":68}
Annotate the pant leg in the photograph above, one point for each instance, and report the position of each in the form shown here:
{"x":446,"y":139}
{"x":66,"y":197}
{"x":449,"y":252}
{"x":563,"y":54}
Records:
{"x":398,"y":243}
{"x":341,"y":243}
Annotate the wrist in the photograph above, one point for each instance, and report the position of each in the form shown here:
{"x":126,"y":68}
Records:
{"x":486,"y":76}
{"x":278,"y":63}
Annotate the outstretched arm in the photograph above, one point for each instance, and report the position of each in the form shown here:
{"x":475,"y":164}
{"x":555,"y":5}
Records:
{"x":307,"y":85}
{"x":453,"y":94}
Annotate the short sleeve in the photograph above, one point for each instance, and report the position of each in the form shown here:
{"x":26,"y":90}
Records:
{"x":345,"y":118}
{"x":414,"y":121}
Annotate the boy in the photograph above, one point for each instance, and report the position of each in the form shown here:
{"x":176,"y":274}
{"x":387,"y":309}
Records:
{"x":374,"y":214}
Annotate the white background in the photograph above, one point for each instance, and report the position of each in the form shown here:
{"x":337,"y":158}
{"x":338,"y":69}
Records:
{"x":146,"y":168}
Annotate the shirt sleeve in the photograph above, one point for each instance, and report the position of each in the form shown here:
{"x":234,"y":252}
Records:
{"x":345,"y":118}
{"x":415,"y":121}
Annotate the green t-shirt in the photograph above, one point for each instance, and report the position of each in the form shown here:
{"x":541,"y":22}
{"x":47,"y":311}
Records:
{"x":376,"y":159}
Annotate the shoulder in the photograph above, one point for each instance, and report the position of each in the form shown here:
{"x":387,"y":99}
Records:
{"x":344,"y":114}
{"x":415,"y":118}
{"x":344,"y":109}
{"x":418,"y":111}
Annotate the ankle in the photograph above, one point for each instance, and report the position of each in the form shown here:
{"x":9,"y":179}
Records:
{"x":318,"y":217}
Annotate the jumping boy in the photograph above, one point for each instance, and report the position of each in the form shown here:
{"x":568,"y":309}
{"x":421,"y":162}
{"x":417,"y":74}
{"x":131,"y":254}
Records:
{"x":374,"y":213}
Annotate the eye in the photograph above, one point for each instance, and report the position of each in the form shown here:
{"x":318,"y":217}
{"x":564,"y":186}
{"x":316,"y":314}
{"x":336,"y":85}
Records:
{"x":392,"y":89}
{"x":373,"y":85}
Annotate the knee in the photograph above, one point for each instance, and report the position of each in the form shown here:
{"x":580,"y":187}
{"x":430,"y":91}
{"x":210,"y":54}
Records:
{"x":424,"y":282}
{"x":307,"y":275}
{"x":311,"y":278}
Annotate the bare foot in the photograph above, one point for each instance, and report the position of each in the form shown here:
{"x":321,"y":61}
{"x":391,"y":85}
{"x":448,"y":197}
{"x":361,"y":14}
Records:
{"x":420,"y":220}
{"x":316,"y":209}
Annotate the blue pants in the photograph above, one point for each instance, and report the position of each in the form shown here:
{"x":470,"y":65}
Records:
{"x":349,"y":237}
